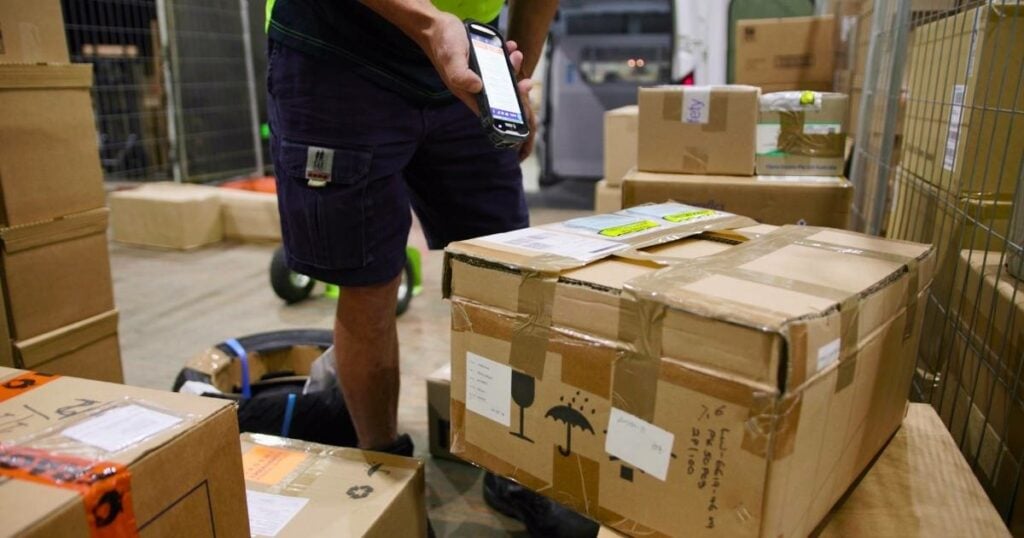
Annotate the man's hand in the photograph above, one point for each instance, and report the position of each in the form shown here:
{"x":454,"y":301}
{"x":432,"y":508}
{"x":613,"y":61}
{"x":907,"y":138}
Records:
{"x":447,"y":46}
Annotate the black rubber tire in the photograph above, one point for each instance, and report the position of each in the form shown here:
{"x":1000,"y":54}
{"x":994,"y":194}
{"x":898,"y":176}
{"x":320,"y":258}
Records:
{"x":406,"y":298}
{"x":281,"y":280}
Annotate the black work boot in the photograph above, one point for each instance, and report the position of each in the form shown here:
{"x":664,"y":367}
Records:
{"x":402,"y":446}
{"x":542,"y":516}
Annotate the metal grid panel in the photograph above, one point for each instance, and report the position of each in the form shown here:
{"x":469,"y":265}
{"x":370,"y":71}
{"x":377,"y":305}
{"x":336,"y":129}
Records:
{"x":938,"y":159}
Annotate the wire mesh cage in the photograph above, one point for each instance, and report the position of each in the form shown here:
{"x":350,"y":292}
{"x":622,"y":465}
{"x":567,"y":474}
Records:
{"x":938,"y":159}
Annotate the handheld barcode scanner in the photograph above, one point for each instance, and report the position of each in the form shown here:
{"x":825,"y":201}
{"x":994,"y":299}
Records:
{"x":501,"y":111}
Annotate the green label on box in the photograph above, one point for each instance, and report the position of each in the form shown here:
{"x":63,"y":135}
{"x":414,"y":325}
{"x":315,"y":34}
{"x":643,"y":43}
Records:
{"x":690,"y":215}
{"x":619,"y":231}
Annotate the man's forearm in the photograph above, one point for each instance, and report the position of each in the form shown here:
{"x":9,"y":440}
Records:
{"x":528,"y":24}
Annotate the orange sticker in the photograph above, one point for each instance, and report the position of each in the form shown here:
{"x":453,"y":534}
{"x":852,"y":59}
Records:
{"x":23,"y":383}
{"x":268,"y":465}
{"x":105,"y":486}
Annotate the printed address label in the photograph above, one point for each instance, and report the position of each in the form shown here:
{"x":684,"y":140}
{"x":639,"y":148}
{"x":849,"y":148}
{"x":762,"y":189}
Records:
{"x":639,"y":443}
{"x":120,"y":427}
{"x":269,"y":514}
{"x":551,"y":242}
{"x":489,"y":388}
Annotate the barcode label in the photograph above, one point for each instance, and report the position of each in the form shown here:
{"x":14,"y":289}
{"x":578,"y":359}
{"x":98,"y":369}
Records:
{"x":956,"y":112}
{"x":551,"y":242}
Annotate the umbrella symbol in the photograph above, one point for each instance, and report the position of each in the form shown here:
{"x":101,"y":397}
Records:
{"x":572,"y":418}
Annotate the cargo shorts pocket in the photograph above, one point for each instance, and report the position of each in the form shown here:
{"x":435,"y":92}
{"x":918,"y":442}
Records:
{"x":322,"y":197}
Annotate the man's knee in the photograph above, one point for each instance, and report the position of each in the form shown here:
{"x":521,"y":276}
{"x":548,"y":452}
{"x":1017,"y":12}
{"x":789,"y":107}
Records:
{"x":369,"y":308}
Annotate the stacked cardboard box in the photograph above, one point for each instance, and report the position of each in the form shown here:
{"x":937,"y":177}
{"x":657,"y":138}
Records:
{"x":792,"y":53}
{"x":620,"y":147}
{"x":83,"y":458}
{"x":297,"y":489}
{"x":804,"y":336}
{"x":55,"y":268}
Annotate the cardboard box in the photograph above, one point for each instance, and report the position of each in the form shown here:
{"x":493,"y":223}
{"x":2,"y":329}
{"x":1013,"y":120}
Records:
{"x":795,"y":86}
{"x":56,"y":273}
{"x":49,"y":161}
{"x":171,"y":465}
{"x":439,"y":421}
{"x":167,"y":215}
{"x":607,"y":197}
{"x":961,"y":128}
{"x":801,"y":134}
{"x":792,"y":50}
{"x":220,"y":366}
{"x":88,"y":349}
{"x":250,"y":216}
{"x":698,"y":129}
{"x":299,"y":489}
{"x":32,"y":31}
{"x":816,"y":201}
{"x":803,"y":336}
{"x":892,"y":500}
{"x":620,"y":142}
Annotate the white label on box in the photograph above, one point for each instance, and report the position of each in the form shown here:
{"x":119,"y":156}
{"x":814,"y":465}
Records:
{"x":768,"y":137}
{"x":956,"y":112}
{"x":488,"y":388}
{"x":826,"y":180}
{"x":828,"y":353}
{"x":822,"y":128}
{"x":120,"y":427}
{"x":563,"y":244}
{"x":696,"y":104}
{"x":639,"y":443}
{"x":269,"y":514}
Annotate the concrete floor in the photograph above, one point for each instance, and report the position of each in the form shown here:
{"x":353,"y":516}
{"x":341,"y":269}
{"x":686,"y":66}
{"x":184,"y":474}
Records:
{"x":176,"y":304}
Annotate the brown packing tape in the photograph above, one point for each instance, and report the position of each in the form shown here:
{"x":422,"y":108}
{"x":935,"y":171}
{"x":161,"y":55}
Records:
{"x":849,"y":327}
{"x":531,"y":334}
{"x":48,"y":76}
{"x":794,"y":141}
{"x":27,"y":236}
{"x":694,"y":158}
{"x":770,"y":430}
{"x":635,"y":372}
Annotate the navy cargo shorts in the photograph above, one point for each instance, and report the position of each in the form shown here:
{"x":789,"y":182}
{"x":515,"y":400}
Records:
{"x":351,"y":157}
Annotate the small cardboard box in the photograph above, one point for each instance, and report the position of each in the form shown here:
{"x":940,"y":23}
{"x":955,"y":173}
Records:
{"x":162,"y":463}
{"x":167,"y":215}
{"x":297,"y":489}
{"x":56,"y":273}
{"x":607,"y":197}
{"x":620,"y":142}
{"x":32,"y":32}
{"x":792,"y":50}
{"x":801,"y":134}
{"x":88,"y":349}
{"x":439,"y":421}
{"x":736,"y":380}
{"x":698,"y":129}
{"x":962,"y":129}
{"x":816,"y":201}
{"x":250,"y":216}
{"x":49,"y":161}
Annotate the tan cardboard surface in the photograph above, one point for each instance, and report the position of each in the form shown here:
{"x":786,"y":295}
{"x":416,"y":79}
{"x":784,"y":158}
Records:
{"x":49,"y":161}
{"x":801,"y":140}
{"x":721,"y":142}
{"x":620,"y":142}
{"x":815,"y":201}
{"x":790,"y":361}
{"x":439,"y":419}
{"x":791,"y":50}
{"x":225,"y":372}
{"x":607,"y":197}
{"x":250,"y":216}
{"x":167,"y":215}
{"x":56,"y":273}
{"x":348,"y":492}
{"x":948,"y":145}
{"x":88,"y":349}
{"x":32,"y":31}
{"x":186,"y":478}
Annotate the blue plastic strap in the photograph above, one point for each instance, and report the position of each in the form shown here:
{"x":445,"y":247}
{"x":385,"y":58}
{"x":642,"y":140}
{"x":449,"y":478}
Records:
{"x":289,"y":411}
{"x":243,"y":358}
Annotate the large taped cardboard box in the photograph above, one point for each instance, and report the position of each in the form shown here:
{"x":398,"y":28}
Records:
{"x":32,"y":31}
{"x":56,"y":273}
{"x":167,"y":215}
{"x":816,"y":201}
{"x":297,"y":489}
{"x":49,"y":159}
{"x":88,"y":349}
{"x":698,"y":129}
{"x":607,"y":197}
{"x":961,"y":132}
{"x":801,"y":134}
{"x":791,"y":50}
{"x":620,"y":142}
{"x":738,"y":391}
{"x":87,"y":458}
{"x":439,"y":418}
{"x":250,"y":216}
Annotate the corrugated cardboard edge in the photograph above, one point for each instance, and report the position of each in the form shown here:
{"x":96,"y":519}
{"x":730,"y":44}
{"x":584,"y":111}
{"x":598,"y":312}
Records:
{"x":27,"y":236}
{"x":44,"y":76}
{"x":6,"y":345}
{"x":48,"y":346}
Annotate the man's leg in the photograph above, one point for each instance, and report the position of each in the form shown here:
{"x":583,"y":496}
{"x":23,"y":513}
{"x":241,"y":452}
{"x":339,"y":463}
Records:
{"x":366,"y":350}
